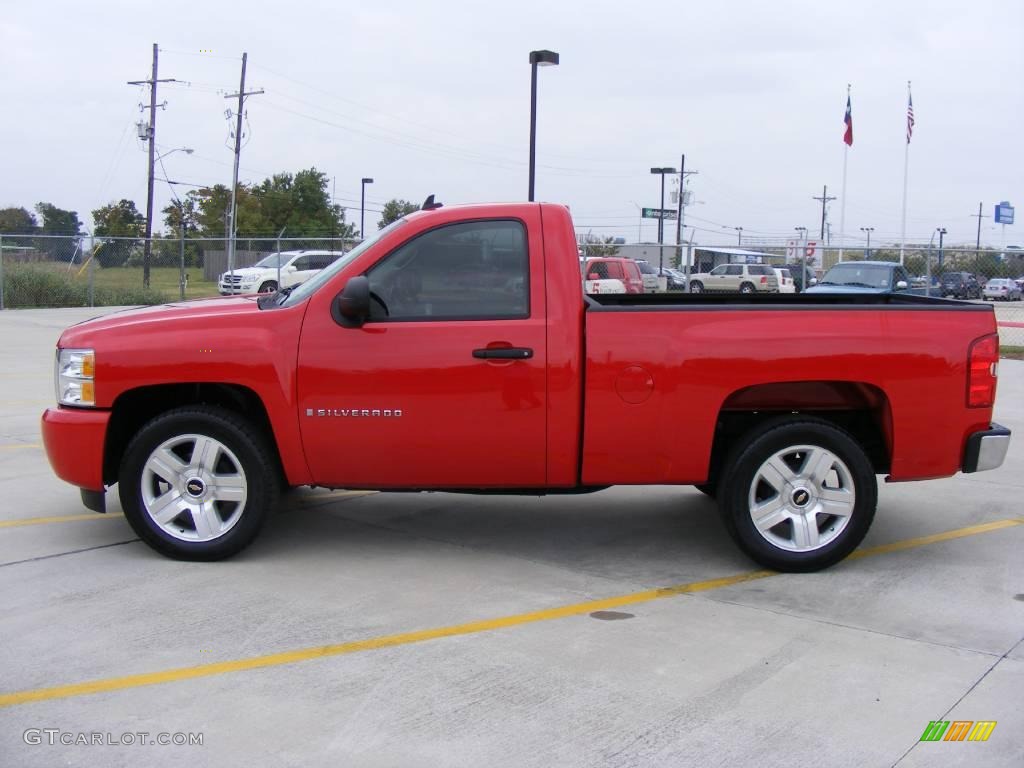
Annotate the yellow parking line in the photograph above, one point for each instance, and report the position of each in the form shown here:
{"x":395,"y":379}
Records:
{"x":16,"y":446}
{"x":473,"y":627}
{"x":60,"y":519}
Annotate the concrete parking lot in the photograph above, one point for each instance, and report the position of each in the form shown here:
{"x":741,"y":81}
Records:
{"x":618,"y":629}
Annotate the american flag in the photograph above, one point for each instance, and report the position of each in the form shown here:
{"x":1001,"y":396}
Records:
{"x":910,"y":117}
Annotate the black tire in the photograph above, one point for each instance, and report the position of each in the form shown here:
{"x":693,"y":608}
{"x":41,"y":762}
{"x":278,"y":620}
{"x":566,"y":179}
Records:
{"x":708,"y":489}
{"x":747,"y":288}
{"x":696,"y":286}
{"x":268,"y":287}
{"x":256,"y":465}
{"x":743,"y":465}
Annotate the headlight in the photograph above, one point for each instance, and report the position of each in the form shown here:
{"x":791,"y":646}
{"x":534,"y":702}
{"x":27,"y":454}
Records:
{"x":75,"y":377}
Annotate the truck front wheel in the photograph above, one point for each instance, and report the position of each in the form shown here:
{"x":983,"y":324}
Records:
{"x":696,"y":286}
{"x":197,"y":483}
{"x":268,"y":287}
{"x":798,"y":494}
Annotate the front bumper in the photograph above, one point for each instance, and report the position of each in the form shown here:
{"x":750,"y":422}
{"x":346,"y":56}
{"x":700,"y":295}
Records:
{"x":74,"y":440}
{"x":235,"y":290}
{"x":986,"y":449}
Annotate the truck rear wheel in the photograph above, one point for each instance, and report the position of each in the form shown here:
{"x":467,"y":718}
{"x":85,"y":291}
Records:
{"x":268,"y":287}
{"x":747,"y":288}
{"x":798,"y":494}
{"x":197,"y":483}
{"x":696,"y":286}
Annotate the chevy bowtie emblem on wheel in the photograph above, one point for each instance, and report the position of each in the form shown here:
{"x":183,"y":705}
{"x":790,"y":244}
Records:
{"x":353,"y":412}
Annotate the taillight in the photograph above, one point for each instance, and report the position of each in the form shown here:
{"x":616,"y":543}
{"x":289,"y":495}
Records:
{"x":982,"y":362}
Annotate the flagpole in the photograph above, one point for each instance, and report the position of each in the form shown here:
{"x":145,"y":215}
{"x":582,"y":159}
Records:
{"x":906,"y":166}
{"x":842,"y":198}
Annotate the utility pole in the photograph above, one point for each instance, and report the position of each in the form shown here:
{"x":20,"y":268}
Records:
{"x":977,"y":243}
{"x":680,"y":202}
{"x":825,"y":199}
{"x":151,"y":138}
{"x":232,"y":227}
{"x":942,"y":232}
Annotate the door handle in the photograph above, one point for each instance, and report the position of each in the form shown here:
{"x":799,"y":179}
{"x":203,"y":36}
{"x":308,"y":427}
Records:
{"x":503,"y":353}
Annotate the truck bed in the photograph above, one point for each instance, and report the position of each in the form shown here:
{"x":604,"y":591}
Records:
{"x":664,"y":370}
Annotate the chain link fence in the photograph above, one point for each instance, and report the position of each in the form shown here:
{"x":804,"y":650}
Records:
{"x":86,"y":271}
{"x":961,"y":272}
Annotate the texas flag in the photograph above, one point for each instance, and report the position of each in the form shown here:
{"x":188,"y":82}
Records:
{"x":848,"y":136}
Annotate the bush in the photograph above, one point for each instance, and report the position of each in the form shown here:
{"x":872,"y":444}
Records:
{"x":33,"y":286}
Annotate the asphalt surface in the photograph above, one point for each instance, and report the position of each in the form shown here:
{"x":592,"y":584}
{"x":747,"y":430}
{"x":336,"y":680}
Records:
{"x":445,"y":630}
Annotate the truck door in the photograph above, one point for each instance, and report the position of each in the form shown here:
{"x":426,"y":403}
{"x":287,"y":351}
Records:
{"x":444,"y":386}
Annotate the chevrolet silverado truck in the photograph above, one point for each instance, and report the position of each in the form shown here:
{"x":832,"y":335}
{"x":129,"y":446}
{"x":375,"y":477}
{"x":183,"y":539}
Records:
{"x":456,"y":351}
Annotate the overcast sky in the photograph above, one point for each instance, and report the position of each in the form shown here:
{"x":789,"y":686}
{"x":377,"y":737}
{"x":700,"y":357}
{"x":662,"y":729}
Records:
{"x":434,"y":98}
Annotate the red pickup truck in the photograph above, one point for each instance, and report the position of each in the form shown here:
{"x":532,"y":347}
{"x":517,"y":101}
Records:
{"x":455,"y":350}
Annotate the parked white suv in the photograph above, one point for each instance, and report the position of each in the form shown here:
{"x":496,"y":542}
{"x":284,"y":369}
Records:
{"x":744,"y":278}
{"x":296,"y":268}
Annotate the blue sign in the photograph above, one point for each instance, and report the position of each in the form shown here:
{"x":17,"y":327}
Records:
{"x":1004,"y":213}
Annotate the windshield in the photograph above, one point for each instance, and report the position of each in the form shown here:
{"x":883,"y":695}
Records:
{"x":309,"y":287}
{"x":646,"y":268}
{"x":864,"y":275}
{"x":270,"y":262}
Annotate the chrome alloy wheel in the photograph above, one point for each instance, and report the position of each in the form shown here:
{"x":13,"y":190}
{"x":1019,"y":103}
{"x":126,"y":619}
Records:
{"x":802,"y":498}
{"x":193,"y":488}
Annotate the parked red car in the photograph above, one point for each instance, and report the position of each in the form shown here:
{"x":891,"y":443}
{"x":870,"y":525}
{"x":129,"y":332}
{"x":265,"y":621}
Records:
{"x":379,"y":373}
{"x":611,"y":268}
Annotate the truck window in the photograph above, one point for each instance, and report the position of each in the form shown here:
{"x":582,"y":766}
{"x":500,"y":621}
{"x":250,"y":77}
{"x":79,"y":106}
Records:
{"x":473,"y":271}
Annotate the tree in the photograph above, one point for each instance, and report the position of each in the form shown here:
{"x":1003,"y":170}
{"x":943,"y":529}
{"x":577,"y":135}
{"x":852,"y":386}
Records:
{"x":301,"y":204}
{"x":17,"y":221}
{"x":395,"y":209}
{"x":57,"y":221}
{"x":117,"y":220}
{"x":181,"y":212}
{"x":298,"y":203}
{"x":594,"y":246}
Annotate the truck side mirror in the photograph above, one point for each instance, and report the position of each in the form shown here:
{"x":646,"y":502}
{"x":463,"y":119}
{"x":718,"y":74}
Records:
{"x":351,"y":307}
{"x":813,"y":281}
{"x":593,"y":276}
{"x":901,"y":285}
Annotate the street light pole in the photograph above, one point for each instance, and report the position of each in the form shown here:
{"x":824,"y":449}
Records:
{"x":867,"y":250}
{"x":537,"y":59}
{"x":661,"y":212}
{"x":942,"y":232}
{"x":739,"y":235}
{"x":362,"y":207}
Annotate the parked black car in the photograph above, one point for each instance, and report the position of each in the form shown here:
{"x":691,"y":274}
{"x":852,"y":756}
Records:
{"x":960,"y":285}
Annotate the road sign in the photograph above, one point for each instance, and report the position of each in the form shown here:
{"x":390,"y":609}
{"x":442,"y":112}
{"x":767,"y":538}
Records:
{"x":1004,"y":213}
{"x":652,"y":213}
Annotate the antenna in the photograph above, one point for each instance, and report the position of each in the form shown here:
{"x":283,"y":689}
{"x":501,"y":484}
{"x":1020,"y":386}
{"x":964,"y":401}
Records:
{"x":429,"y":204}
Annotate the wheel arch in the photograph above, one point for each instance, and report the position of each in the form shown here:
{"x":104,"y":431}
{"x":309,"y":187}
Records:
{"x":134,"y":407}
{"x":859,"y":408}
